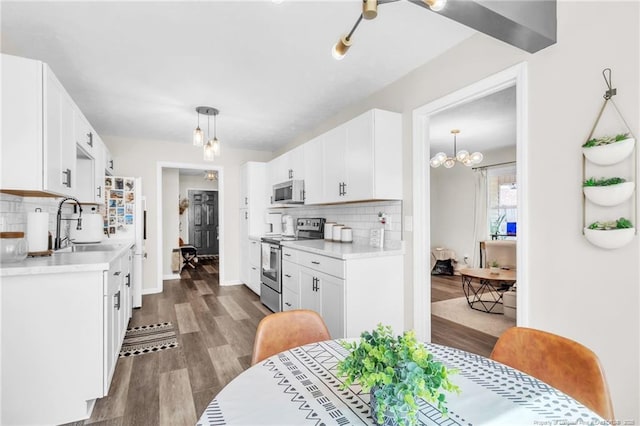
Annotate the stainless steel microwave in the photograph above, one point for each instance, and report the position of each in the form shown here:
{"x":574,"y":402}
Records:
{"x":290,"y":192}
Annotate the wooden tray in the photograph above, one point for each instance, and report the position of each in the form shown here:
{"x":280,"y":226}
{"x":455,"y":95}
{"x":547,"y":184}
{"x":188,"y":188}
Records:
{"x":40,"y":253}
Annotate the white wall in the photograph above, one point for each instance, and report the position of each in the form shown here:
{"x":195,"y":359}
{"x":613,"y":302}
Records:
{"x":170,"y":200}
{"x":140,"y":158}
{"x":187,"y":183}
{"x":452,"y":205}
{"x":576,"y":293}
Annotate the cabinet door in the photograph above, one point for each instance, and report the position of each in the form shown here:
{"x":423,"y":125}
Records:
{"x":59,"y":138}
{"x":309,"y":296}
{"x":254,"y":279}
{"x":98,"y":180}
{"x":244,"y":186}
{"x":296,"y":163}
{"x":290,"y":300}
{"x":83,"y":133}
{"x":244,"y":246}
{"x":331,"y":291}
{"x":334,"y":151}
{"x":108,"y":162}
{"x":359,"y":159}
{"x":314,"y":173}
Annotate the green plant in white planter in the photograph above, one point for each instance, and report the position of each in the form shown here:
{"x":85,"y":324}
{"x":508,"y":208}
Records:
{"x":605,"y":140}
{"x":621,"y":223}
{"x":398,"y":370}
{"x":607,"y":150}
{"x":611,"y":234}
{"x":607,"y":191}
{"x":494,"y":267}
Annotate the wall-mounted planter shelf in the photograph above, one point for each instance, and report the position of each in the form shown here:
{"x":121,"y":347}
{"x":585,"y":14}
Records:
{"x":613,"y":153}
{"x":614,"y":205}
{"x":610,"y":238}
{"x":610,"y":195}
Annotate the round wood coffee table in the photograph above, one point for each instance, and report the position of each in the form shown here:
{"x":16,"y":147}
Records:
{"x":484,"y":290}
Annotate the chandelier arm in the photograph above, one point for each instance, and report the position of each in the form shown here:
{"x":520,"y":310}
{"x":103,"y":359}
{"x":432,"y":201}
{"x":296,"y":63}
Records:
{"x":348,"y":37}
{"x":214,"y":126}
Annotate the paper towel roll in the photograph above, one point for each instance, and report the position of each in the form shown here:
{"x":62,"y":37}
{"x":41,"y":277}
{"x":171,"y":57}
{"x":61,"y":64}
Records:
{"x":37,"y":231}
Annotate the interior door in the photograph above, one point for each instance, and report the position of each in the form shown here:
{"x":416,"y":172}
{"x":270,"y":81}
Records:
{"x":203,"y":221}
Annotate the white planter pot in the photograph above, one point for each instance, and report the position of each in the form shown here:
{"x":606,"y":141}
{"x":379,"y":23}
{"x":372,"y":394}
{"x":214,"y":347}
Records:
{"x":612,"y":153}
{"x":611,"y":195}
{"x":609,"y":239}
{"x":494,"y":270}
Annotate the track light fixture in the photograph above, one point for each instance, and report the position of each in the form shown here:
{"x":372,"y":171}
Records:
{"x":370,"y":11}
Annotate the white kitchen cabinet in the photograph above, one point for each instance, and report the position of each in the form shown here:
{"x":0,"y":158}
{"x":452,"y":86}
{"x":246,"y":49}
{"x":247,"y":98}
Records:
{"x":362,"y":158}
{"x":288,"y":166}
{"x":38,"y":151}
{"x":84,"y":133}
{"x":324,"y":294}
{"x":254,"y":266}
{"x":108,"y":162}
{"x":244,"y":246}
{"x":351,"y":295}
{"x":314,"y":171}
{"x":59,"y":350}
{"x":90,"y":173}
{"x":98,"y":170}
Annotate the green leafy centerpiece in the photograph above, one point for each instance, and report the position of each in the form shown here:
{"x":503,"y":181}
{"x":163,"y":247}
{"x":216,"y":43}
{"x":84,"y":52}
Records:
{"x":397,"y":371}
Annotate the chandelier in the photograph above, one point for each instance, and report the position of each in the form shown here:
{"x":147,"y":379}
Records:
{"x":210,"y":175}
{"x":212,"y":146}
{"x":462,"y":156}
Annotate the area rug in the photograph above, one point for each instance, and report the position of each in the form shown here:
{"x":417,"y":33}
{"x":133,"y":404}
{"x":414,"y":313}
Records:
{"x":146,"y":339}
{"x":458,"y":311}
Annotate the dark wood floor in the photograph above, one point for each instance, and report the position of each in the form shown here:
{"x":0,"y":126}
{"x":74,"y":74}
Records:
{"x":449,"y":333}
{"x":216,"y":328}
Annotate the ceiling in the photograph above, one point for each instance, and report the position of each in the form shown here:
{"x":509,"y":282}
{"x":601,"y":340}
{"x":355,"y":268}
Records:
{"x":139,"y":69}
{"x":484,"y":124}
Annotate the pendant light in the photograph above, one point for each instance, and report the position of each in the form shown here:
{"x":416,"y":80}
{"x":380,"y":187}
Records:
{"x":212,"y":146}
{"x":463,"y":156}
{"x":198,"y":135}
{"x":210,"y":175}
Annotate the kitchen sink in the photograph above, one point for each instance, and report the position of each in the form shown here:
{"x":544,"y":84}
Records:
{"x":80,"y":248}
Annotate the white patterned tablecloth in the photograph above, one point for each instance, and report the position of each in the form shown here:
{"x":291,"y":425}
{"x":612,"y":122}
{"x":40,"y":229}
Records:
{"x":301,"y":387}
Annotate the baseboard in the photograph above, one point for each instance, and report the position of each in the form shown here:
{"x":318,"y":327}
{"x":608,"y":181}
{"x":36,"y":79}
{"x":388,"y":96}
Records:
{"x":154,"y":290}
{"x":171,"y":277}
{"x":231,"y":282}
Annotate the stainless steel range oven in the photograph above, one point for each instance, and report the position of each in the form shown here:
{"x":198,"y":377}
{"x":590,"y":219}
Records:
{"x":271,"y":260}
{"x":270,"y":271}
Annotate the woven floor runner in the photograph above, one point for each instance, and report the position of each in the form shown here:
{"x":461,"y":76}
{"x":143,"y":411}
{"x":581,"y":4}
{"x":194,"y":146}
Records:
{"x":148,"y":339}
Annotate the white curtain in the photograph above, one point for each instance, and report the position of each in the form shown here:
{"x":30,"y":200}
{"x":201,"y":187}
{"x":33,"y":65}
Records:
{"x":480,"y":230}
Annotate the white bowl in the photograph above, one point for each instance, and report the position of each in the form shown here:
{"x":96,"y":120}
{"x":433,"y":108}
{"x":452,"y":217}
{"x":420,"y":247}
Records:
{"x":605,"y":155}
{"x":611,"y":195}
{"x":609,"y":239}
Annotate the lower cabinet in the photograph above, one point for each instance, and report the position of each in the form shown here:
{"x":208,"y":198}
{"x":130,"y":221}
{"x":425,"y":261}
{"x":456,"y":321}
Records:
{"x":61,"y":334}
{"x":254,"y":266}
{"x":351,"y":295}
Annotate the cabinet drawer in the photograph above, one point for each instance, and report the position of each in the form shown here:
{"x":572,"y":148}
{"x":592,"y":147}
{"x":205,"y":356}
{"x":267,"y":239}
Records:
{"x":254,"y":253}
{"x":290,"y":300}
{"x":325,"y":264}
{"x":290,"y":254}
{"x":290,"y":277}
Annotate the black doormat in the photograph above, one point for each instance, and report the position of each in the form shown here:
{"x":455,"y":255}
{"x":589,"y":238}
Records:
{"x":146,"y":339}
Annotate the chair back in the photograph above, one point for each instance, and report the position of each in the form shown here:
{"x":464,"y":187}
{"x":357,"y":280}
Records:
{"x":285,"y":330}
{"x":560,"y":362}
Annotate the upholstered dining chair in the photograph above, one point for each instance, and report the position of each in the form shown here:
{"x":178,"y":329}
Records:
{"x":285,"y":330}
{"x":560,"y":362}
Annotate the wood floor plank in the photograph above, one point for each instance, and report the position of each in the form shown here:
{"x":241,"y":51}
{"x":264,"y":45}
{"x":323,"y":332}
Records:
{"x":236,"y":312}
{"x":176,"y":400}
{"x":216,"y":308}
{"x":186,"y":318}
{"x":202,"y":398}
{"x":210,"y":330}
{"x":114,"y":404}
{"x":202,"y":373}
{"x":143,"y":401}
{"x":203,"y":287}
{"x":239,"y":334}
{"x":226,"y":361}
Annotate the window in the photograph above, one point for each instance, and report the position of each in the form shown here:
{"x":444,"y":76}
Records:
{"x":502,"y":190}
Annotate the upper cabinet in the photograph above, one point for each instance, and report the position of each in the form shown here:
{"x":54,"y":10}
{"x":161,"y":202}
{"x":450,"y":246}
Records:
{"x":38,"y":150}
{"x":48,"y":146}
{"x":359,"y":160}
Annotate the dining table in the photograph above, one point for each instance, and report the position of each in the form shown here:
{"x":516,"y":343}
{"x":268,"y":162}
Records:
{"x":301,"y":386}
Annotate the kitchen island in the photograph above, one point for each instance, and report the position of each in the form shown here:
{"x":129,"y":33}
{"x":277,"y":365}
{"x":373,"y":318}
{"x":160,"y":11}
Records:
{"x":63,"y":321}
{"x":353,"y":286}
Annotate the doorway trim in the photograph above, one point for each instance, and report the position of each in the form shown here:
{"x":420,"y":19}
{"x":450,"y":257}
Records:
{"x":517,"y":75}
{"x":193,"y":166}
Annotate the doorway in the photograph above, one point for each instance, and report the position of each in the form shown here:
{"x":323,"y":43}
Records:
{"x":514,"y":76}
{"x":203,"y":221}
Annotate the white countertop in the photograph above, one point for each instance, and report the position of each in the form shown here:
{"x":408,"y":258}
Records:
{"x":66,"y":262}
{"x":343,"y":251}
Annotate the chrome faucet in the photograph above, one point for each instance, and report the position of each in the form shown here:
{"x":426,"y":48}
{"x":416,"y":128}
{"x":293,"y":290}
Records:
{"x":58,"y":241}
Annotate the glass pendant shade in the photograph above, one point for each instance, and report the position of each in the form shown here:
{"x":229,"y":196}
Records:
{"x":462,"y":155}
{"x":198,"y":137}
{"x":216,"y":147}
{"x":436,"y":5}
{"x":449,"y":163}
{"x":435,"y":163}
{"x":476,"y":157}
{"x":209,"y":155}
